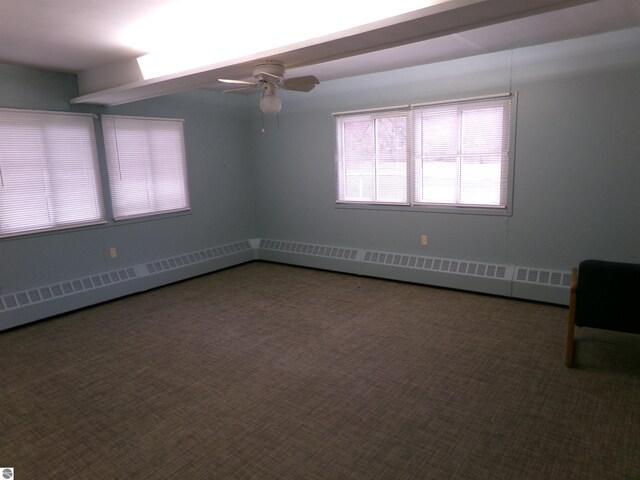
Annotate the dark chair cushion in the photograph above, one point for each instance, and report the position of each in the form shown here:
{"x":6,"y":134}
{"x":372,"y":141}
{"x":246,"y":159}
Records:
{"x":608,"y":296}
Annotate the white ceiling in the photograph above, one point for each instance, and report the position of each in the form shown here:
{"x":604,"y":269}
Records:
{"x":85,"y":37}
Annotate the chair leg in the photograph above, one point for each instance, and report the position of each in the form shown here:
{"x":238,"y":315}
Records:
{"x":571,"y":318}
{"x":568,"y":354}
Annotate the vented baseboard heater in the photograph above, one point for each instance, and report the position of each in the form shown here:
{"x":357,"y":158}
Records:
{"x":529,"y":283}
{"x":48,"y":300}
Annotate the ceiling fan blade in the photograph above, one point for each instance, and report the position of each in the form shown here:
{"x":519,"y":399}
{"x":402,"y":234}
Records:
{"x":243,"y":89}
{"x":238,"y":82}
{"x":300,"y":84}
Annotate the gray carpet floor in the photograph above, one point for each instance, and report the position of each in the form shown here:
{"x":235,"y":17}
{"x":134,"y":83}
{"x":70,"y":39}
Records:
{"x":266,"y":371}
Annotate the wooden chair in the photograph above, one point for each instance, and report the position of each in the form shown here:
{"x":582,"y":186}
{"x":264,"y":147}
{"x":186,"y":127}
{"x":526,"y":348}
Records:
{"x":603,"y":295}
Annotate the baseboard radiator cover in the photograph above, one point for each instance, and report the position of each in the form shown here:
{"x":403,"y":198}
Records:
{"x":542,"y":284}
{"x":339,"y":259}
{"x":527,"y":283}
{"x":443,"y":272}
{"x":34,"y":304}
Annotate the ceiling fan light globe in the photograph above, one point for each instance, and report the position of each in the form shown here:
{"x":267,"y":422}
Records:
{"x":270,"y":105}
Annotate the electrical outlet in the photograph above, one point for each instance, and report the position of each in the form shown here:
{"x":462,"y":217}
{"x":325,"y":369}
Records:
{"x":113,"y":253}
{"x":424,"y":240}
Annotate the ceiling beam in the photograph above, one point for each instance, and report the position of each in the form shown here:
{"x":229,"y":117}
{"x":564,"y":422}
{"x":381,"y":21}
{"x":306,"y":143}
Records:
{"x":122,"y":82}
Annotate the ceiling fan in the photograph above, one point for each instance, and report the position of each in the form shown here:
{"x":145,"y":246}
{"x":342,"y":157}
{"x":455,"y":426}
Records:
{"x":270,"y":77}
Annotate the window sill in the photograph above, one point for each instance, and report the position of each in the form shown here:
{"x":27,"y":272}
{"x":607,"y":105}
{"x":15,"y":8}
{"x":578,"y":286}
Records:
{"x":462,"y":210}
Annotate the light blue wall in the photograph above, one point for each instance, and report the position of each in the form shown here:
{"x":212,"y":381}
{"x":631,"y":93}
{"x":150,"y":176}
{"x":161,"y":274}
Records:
{"x":576,"y":178}
{"x":577,"y":168}
{"x":218,"y":169}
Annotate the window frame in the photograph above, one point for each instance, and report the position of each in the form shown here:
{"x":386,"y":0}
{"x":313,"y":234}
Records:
{"x":122,"y":212}
{"x":412,"y":204}
{"x":341,"y":157}
{"x":46,"y":159}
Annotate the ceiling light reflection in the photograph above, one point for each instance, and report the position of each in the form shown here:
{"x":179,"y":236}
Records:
{"x":190,"y":34}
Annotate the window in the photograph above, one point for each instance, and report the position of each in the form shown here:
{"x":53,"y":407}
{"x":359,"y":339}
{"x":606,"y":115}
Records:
{"x":453,"y":154}
{"x":49,"y":177}
{"x":373,"y":158}
{"x":147,"y":167}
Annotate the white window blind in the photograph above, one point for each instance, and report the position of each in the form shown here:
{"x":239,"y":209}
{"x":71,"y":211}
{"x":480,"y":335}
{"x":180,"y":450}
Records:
{"x":372,"y":158}
{"x":443,"y":154}
{"x":147,"y":166}
{"x":49,"y":176}
{"x":461,"y":153}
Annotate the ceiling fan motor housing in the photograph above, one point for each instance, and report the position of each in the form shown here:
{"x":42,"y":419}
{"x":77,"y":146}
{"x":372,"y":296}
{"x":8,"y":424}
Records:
{"x":275,"y":69}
